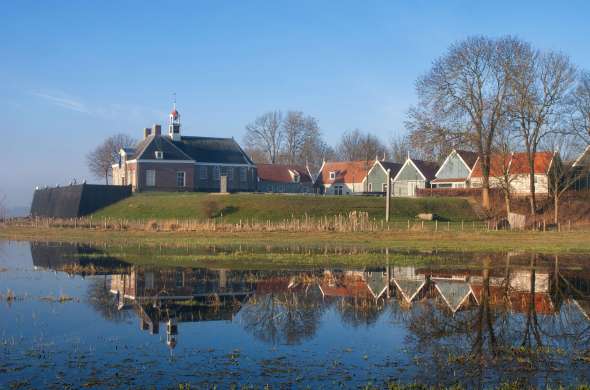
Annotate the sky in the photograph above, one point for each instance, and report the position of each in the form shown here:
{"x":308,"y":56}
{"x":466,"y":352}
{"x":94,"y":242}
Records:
{"x":74,"y":72}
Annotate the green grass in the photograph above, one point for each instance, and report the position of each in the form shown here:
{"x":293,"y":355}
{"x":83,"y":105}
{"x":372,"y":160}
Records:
{"x":263,"y":207}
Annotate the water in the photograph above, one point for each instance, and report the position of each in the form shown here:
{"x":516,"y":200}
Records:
{"x":71,"y":316}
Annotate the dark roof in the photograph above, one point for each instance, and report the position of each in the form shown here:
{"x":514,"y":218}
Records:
{"x":428,"y":168}
{"x":280,"y":173}
{"x":213,"y":150}
{"x":393,"y":166}
{"x":469,"y":157}
{"x":147,"y":148}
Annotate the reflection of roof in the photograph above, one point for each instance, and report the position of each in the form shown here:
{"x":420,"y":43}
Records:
{"x":454,"y":293}
{"x":346,"y":171}
{"x":517,"y":301}
{"x":409,"y":288}
{"x":377,"y":283}
{"x":350,"y":289}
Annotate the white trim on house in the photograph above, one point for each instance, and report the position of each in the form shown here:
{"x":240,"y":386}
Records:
{"x":162,"y":161}
{"x":575,"y":164}
{"x":447,"y":159}
{"x":414,"y":165}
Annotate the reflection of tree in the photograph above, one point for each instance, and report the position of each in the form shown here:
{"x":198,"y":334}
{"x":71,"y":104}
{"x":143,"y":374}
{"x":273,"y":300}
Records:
{"x":105,"y":303}
{"x":359,"y":311}
{"x":286,"y":317}
{"x":531,"y":329}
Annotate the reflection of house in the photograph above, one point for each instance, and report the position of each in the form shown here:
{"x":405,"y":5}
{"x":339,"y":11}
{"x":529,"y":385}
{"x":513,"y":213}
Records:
{"x":77,"y":258}
{"x":455,"y":293}
{"x":372,"y":283}
{"x":408,"y":283}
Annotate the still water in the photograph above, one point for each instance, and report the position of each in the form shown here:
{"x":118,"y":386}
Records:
{"x":70,"y":318}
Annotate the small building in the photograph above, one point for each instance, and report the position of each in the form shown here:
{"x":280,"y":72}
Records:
{"x":174,"y":162}
{"x":377,"y":176}
{"x":280,"y":178}
{"x":515,"y":169}
{"x":343,"y":177}
{"x":455,"y":170}
{"x":413,"y":174}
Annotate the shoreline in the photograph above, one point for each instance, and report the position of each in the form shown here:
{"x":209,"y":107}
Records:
{"x":486,"y":241}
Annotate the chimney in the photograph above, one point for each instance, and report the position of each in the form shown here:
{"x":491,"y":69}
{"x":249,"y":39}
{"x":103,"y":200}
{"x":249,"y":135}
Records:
{"x":146,"y":132}
{"x":157,"y":129}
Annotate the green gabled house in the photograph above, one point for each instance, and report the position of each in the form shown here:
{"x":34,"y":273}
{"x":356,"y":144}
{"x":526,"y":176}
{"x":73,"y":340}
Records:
{"x":377,"y":175}
{"x":413,"y":174}
{"x":455,"y":170}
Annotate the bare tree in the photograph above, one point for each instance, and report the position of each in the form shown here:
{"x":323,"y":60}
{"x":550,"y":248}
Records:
{"x":539,"y":86}
{"x":501,"y":161}
{"x":266,"y":133}
{"x":399,"y":147}
{"x":3,"y":207}
{"x":463,"y":99}
{"x":356,"y":145}
{"x":295,"y":133}
{"x":580,"y":107}
{"x":565,"y":171}
{"x":101,"y":159}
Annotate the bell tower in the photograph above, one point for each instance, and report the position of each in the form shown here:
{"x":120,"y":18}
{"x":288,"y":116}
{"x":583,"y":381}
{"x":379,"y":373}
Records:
{"x":174,"y":124}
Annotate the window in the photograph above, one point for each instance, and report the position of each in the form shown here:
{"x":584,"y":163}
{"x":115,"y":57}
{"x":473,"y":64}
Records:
{"x":370,"y":187}
{"x":150,"y":178}
{"x":230,"y":174}
{"x":179,"y":279}
{"x":159,"y":155}
{"x":180,"y":179}
{"x":216,"y":172}
{"x":203,"y":172}
{"x":337,"y":190}
{"x":243,"y":172}
{"x":332,"y":175}
{"x":384,"y":187}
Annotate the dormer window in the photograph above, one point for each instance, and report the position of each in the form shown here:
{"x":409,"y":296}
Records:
{"x":333,"y":175}
{"x":159,"y":155}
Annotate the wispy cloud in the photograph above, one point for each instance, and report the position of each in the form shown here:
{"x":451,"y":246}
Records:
{"x":63,"y":101}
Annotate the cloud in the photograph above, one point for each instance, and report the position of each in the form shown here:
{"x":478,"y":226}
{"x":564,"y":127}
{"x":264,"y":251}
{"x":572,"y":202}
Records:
{"x":63,"y":101}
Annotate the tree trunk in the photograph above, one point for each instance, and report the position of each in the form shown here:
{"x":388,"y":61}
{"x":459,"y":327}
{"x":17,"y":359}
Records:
{"x":485,"y":193}
{"x":556,"y":209}
{"x":507,"y":201}
{"x":533,"y":201}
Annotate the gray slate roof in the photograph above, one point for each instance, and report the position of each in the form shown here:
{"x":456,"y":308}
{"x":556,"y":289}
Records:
{"x":393,"y":166}
{"x":427,"y":168}
{"x":146,"y":149}
{"x":199,"y":149}
{"x":213,"y":150}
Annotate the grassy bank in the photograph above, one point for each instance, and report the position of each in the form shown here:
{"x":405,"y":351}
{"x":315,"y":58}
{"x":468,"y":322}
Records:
{"x":263,"y":207}
{"x":547,"y":242}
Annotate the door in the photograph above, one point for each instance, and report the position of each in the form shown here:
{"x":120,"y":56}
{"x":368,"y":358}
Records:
{"x":412,"y":188}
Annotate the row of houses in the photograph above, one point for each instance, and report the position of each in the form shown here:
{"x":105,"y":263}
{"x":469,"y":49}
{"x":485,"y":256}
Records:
{"x":210,"y":164}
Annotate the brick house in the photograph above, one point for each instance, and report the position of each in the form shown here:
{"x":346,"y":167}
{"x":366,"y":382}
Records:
{"x":174,"y":162}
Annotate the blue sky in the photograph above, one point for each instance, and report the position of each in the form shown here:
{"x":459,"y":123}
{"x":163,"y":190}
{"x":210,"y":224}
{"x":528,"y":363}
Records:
{"x":72,"y":73}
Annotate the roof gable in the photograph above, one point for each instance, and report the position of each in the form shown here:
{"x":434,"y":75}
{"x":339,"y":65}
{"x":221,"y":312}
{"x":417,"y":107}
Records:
{"x":345,"y":171}
{"x":213,"y":150}
{"x":147,"y":148}
{"x":425,"y":169}
{"x":282,"y":173}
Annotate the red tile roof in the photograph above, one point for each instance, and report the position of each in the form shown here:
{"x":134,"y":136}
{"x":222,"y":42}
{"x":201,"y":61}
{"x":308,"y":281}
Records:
{"x":517,"y":163}
{"x":346,"y":171}
{"x":280,"y":173}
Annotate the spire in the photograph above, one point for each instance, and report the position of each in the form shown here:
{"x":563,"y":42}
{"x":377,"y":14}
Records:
{"x":174,"y":121}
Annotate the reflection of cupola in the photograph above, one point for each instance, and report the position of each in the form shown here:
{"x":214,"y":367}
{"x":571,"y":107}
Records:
{"x":174,"y":124}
